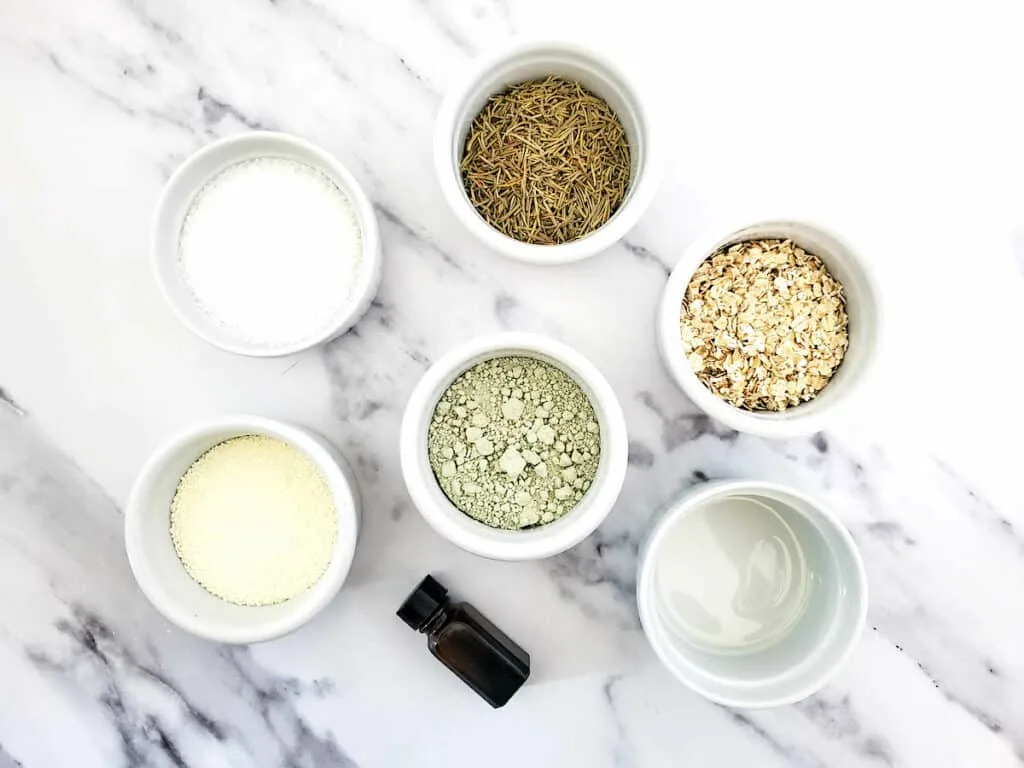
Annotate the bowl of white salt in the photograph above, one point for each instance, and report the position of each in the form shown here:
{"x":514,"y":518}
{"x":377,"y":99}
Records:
{"x":241,"y":528}
{"x":265,"y":244}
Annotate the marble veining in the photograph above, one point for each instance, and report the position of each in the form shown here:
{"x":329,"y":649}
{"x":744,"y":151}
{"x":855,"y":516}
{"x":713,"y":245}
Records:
{"x":106,"y":98}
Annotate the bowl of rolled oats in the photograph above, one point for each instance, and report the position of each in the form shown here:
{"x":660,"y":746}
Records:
{"x":771,"y":327}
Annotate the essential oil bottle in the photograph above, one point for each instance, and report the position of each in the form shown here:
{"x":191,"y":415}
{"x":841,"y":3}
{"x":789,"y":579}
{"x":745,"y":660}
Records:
{"x":462,"y":639}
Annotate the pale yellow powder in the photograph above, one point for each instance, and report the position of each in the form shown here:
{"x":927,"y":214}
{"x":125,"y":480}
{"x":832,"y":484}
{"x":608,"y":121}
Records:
{"x":253,"y":521}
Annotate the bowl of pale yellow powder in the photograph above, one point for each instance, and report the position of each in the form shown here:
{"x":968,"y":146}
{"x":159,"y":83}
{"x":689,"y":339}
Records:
{"x":242,"y":528}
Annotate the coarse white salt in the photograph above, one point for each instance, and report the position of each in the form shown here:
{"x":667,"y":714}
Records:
{"x":271,"y":250}
{"x":253,"y":521}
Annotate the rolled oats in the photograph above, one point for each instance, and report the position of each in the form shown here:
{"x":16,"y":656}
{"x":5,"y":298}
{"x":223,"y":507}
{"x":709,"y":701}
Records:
{"x":764,"y":324}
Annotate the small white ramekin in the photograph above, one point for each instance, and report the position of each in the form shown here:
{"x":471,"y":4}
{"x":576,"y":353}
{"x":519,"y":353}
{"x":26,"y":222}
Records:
{"x":189,"y":179}
{"x":530,"y":60}
{"x":819,"y":643}
{"x":863,"y":306}
{"x":474,"y":536}
{"x":164,"y":580}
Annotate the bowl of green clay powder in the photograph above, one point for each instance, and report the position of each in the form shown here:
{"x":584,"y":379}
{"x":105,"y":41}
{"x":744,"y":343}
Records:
{"x":514,"y":447}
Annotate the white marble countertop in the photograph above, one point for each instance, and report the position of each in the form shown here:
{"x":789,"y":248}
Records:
{"x":898,"y":125}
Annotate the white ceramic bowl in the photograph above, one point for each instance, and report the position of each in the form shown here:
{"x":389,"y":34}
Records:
{"x":863,"y":307}
{"x":163,"y":578}
{"x":527,"y":61}
{"x":823,"y":638}
{"x":474,"y":536}
{"x":174,"y":204}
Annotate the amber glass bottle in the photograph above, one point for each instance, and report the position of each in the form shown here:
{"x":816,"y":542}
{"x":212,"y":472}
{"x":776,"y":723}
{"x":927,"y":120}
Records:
{"x":462,"y":639}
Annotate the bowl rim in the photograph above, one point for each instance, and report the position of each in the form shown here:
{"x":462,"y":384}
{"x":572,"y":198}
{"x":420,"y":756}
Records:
{"x":318,"y":450}
{"x":369,"y":279}
{"x":685,"y":504}
{"x":472,"y":535}
{"x":637,"y":199}
{"x":795,"y":421}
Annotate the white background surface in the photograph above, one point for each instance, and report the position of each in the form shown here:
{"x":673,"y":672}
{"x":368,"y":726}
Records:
{"x":897,"y":124}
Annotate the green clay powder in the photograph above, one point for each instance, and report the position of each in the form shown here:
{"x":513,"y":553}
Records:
{"x":514,"y":442}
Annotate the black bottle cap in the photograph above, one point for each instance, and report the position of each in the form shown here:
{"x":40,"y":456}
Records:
{"x":423,"y":604}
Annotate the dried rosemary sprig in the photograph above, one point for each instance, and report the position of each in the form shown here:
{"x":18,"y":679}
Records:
{"x":546,"y":161}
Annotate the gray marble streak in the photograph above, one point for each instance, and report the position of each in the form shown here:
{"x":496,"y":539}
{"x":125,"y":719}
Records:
{"x":981,"y":509}
{"x":598,"y":576}
{"x":407,"y":230}
{"x":95,"y":652}
{"x":683,"y":427}
{"x":158,"y":698}
{"x":272,"y":696}
{"x":836,"y":716}
{"x":8,"y":401}
{"x":646,"y":256}
{"x":620,"y":752}
{"x":6,"y":761}
{"x":792,"y":756}
{"x":825,"y":462}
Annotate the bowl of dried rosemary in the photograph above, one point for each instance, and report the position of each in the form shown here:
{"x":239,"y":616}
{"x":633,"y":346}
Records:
{"x":544,"y":152}
{"x":771,"y":327}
